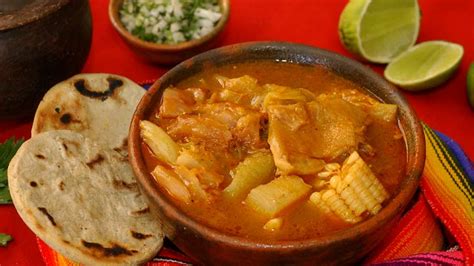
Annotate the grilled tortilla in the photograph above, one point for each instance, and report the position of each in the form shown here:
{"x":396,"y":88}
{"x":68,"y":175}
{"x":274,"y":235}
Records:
{"x":99,"y":106}
{"x":82,"y":200}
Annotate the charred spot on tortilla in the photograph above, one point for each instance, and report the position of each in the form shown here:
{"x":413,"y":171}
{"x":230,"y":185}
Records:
{"x":97,"y":160}
{"x":33,"y":184}
{"x":61,"y":186}
{"x":57,"y":110}
{"x":39,"y":226}
{"x":114,"y":251}
{"x":114,"y":83}
{"x":120,"y":184}
{"x":122,"y":150}
{"x":45,"y":212}
{"x":140,"y":236}
{"x":40,"y":156}
{"x":67,"y":145}
{"x":142,"y":211}
{"x":125,"y":143}
{"x":122,"y":154}
{"x":65,"y":118}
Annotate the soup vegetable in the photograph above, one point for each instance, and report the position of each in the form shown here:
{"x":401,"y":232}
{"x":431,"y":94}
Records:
{"x":274,"y":151}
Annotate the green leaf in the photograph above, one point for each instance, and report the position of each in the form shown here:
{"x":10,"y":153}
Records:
{"x":7,"y":151}
{"x":4,"y":239}
{"x":5,"y":197}
{"x":3,"y":178}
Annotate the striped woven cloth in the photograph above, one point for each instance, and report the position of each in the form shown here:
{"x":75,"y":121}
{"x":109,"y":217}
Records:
{"x":438,"y":229}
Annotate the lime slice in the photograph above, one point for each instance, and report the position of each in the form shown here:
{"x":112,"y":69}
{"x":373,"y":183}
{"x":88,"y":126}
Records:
{"x":379,"y":30}
{"x":425,"y":65}
{"x":470,"y":85}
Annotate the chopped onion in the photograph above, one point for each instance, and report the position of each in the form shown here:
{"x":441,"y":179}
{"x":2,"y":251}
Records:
{"x":170,"y":21}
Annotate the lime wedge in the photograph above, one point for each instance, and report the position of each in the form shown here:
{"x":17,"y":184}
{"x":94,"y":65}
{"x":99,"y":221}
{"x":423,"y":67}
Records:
{"x":379,"y":30}
{"x":470,"y":85}
{"x":425,"y":65}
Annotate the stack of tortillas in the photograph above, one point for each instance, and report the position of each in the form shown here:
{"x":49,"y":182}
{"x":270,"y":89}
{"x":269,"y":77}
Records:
{"x":71,"y":182}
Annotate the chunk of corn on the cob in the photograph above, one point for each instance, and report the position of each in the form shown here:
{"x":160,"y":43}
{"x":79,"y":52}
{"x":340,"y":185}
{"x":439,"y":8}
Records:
{"x":355,"y":191}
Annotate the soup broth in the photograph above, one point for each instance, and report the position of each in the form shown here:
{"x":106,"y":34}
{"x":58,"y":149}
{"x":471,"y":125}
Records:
{"x":258,"y":125}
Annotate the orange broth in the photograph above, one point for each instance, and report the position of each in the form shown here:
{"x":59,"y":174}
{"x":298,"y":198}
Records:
{"x":305,"y":220}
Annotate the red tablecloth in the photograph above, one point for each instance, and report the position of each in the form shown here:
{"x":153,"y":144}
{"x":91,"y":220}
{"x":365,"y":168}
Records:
{"x":312,"y":22}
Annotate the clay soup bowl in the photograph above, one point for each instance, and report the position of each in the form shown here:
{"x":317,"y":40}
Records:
{"x":208,"y":245}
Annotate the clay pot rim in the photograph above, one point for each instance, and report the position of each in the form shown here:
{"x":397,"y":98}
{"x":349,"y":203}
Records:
{"x":30,"y":13}
{"x":155,"y":47}
{"x":177,"y":217}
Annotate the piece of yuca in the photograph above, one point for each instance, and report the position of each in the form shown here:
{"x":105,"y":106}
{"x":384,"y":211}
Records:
{"x":82,"y":199}
{"x":254,"y":170}
{"x":352,"y":193}
{"x":273,"y":198}
{"x":99,"y":106}
{"x":160,"y":143}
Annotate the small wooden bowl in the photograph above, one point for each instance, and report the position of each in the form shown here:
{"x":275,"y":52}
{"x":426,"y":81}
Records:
{"x":213,"y":247}
{"x":42,"y":42}
{"x":165,"y":53}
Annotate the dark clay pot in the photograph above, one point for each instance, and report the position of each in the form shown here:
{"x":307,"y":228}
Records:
{"x":347,"y":246}
{"x":42,"y":42}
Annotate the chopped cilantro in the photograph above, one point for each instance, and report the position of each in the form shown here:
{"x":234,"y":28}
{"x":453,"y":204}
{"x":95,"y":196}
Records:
{"x":4,"y":239}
